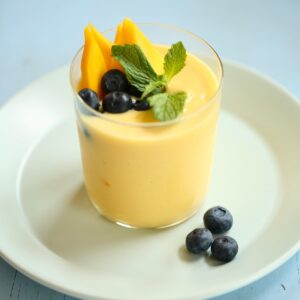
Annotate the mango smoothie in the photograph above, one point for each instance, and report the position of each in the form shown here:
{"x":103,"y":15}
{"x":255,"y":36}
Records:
{"x":142,"y":172}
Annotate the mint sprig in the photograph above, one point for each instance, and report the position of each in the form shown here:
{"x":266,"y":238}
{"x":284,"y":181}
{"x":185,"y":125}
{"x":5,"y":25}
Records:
{"x":154,"y":87}
{"x":139,"y":72}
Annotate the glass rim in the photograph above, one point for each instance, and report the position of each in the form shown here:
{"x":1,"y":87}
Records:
{"x":179,"y":119}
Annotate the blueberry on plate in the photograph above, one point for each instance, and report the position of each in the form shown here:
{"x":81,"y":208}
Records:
{"x":117,"y":102}
{"x":198,"y":240}
{"x":218,"y":219}
{"x":90,"y":98}
{"x":224,"y":248}
{"x":114,"y":81}
{"x":141,"y":105}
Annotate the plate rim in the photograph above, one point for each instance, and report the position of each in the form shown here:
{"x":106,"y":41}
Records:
{"x":234,"y":286}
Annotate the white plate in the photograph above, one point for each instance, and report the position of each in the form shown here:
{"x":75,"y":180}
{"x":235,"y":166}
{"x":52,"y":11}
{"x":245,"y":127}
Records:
{"x":50,"y":232}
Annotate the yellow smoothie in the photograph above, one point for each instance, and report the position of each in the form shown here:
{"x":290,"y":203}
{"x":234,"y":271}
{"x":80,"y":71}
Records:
{"x":145,"y":173}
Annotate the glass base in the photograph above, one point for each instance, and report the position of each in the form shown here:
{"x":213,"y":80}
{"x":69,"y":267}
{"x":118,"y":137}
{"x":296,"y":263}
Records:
{"x":126,"y":225}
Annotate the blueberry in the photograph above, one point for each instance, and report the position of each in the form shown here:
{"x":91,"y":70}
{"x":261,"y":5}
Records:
{"x":90,"y":98}
{"x":141,"y":105}
{"x":117,"y":102}
{"x":133,"y":91}
{"x":224,"y":248}
{"x":114,"y":81}
{"x":199,"y":240}
{"x":218,"y":219}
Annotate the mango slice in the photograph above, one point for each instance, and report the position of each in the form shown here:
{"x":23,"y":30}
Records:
{"x":93,"y":64}
{"x":103,"y":43}
{"x":114,"y":64}
{"x":131,"y":34}
{"x":119,"y":35}
{"x":97,"y":59}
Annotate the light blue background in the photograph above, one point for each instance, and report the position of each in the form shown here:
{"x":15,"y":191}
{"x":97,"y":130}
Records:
{"x":39,"y":36}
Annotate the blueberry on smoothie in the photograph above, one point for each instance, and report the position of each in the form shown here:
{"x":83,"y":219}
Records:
{"x":90,"y":98}
{"x":117,"y":102}
{"x":114,"y":81}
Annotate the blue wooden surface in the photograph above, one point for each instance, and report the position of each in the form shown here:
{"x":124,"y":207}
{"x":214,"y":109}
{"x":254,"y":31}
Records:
{"x":39,"y":36}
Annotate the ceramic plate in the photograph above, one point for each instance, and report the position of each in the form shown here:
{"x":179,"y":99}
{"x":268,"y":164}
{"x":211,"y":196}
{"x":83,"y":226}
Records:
{"x":50,"y":232}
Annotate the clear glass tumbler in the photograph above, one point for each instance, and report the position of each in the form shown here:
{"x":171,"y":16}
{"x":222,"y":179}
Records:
{"x":149,"y":175}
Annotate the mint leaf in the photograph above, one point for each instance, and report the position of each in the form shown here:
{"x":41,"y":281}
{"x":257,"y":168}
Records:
{"x":137,"y":68}
{"x":174,"y":60}
{"x":154,"y":87}
{"x":167,"y":106}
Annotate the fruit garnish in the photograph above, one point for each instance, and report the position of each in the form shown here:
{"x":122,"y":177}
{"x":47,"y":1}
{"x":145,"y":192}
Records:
{"x":104,"y":44}
{"x":129,"y":33}
{"x":117,"y":102}
{"x":90,"y":98}
{"x":132,"y":90}
{"x":114,"y":81}
{"x":141,"y":75}
{"x":218,"y":219}
{"x":93,"y":65}
{"x":141,"y":105}
{"x":224,"y":248}
{"x":97,"y":60}
{"x":147,"y":72}
{"x":119,"y":35}
{"x":132,"y":34}
{"x":114,"y":64}
{"x":199,"y":240}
